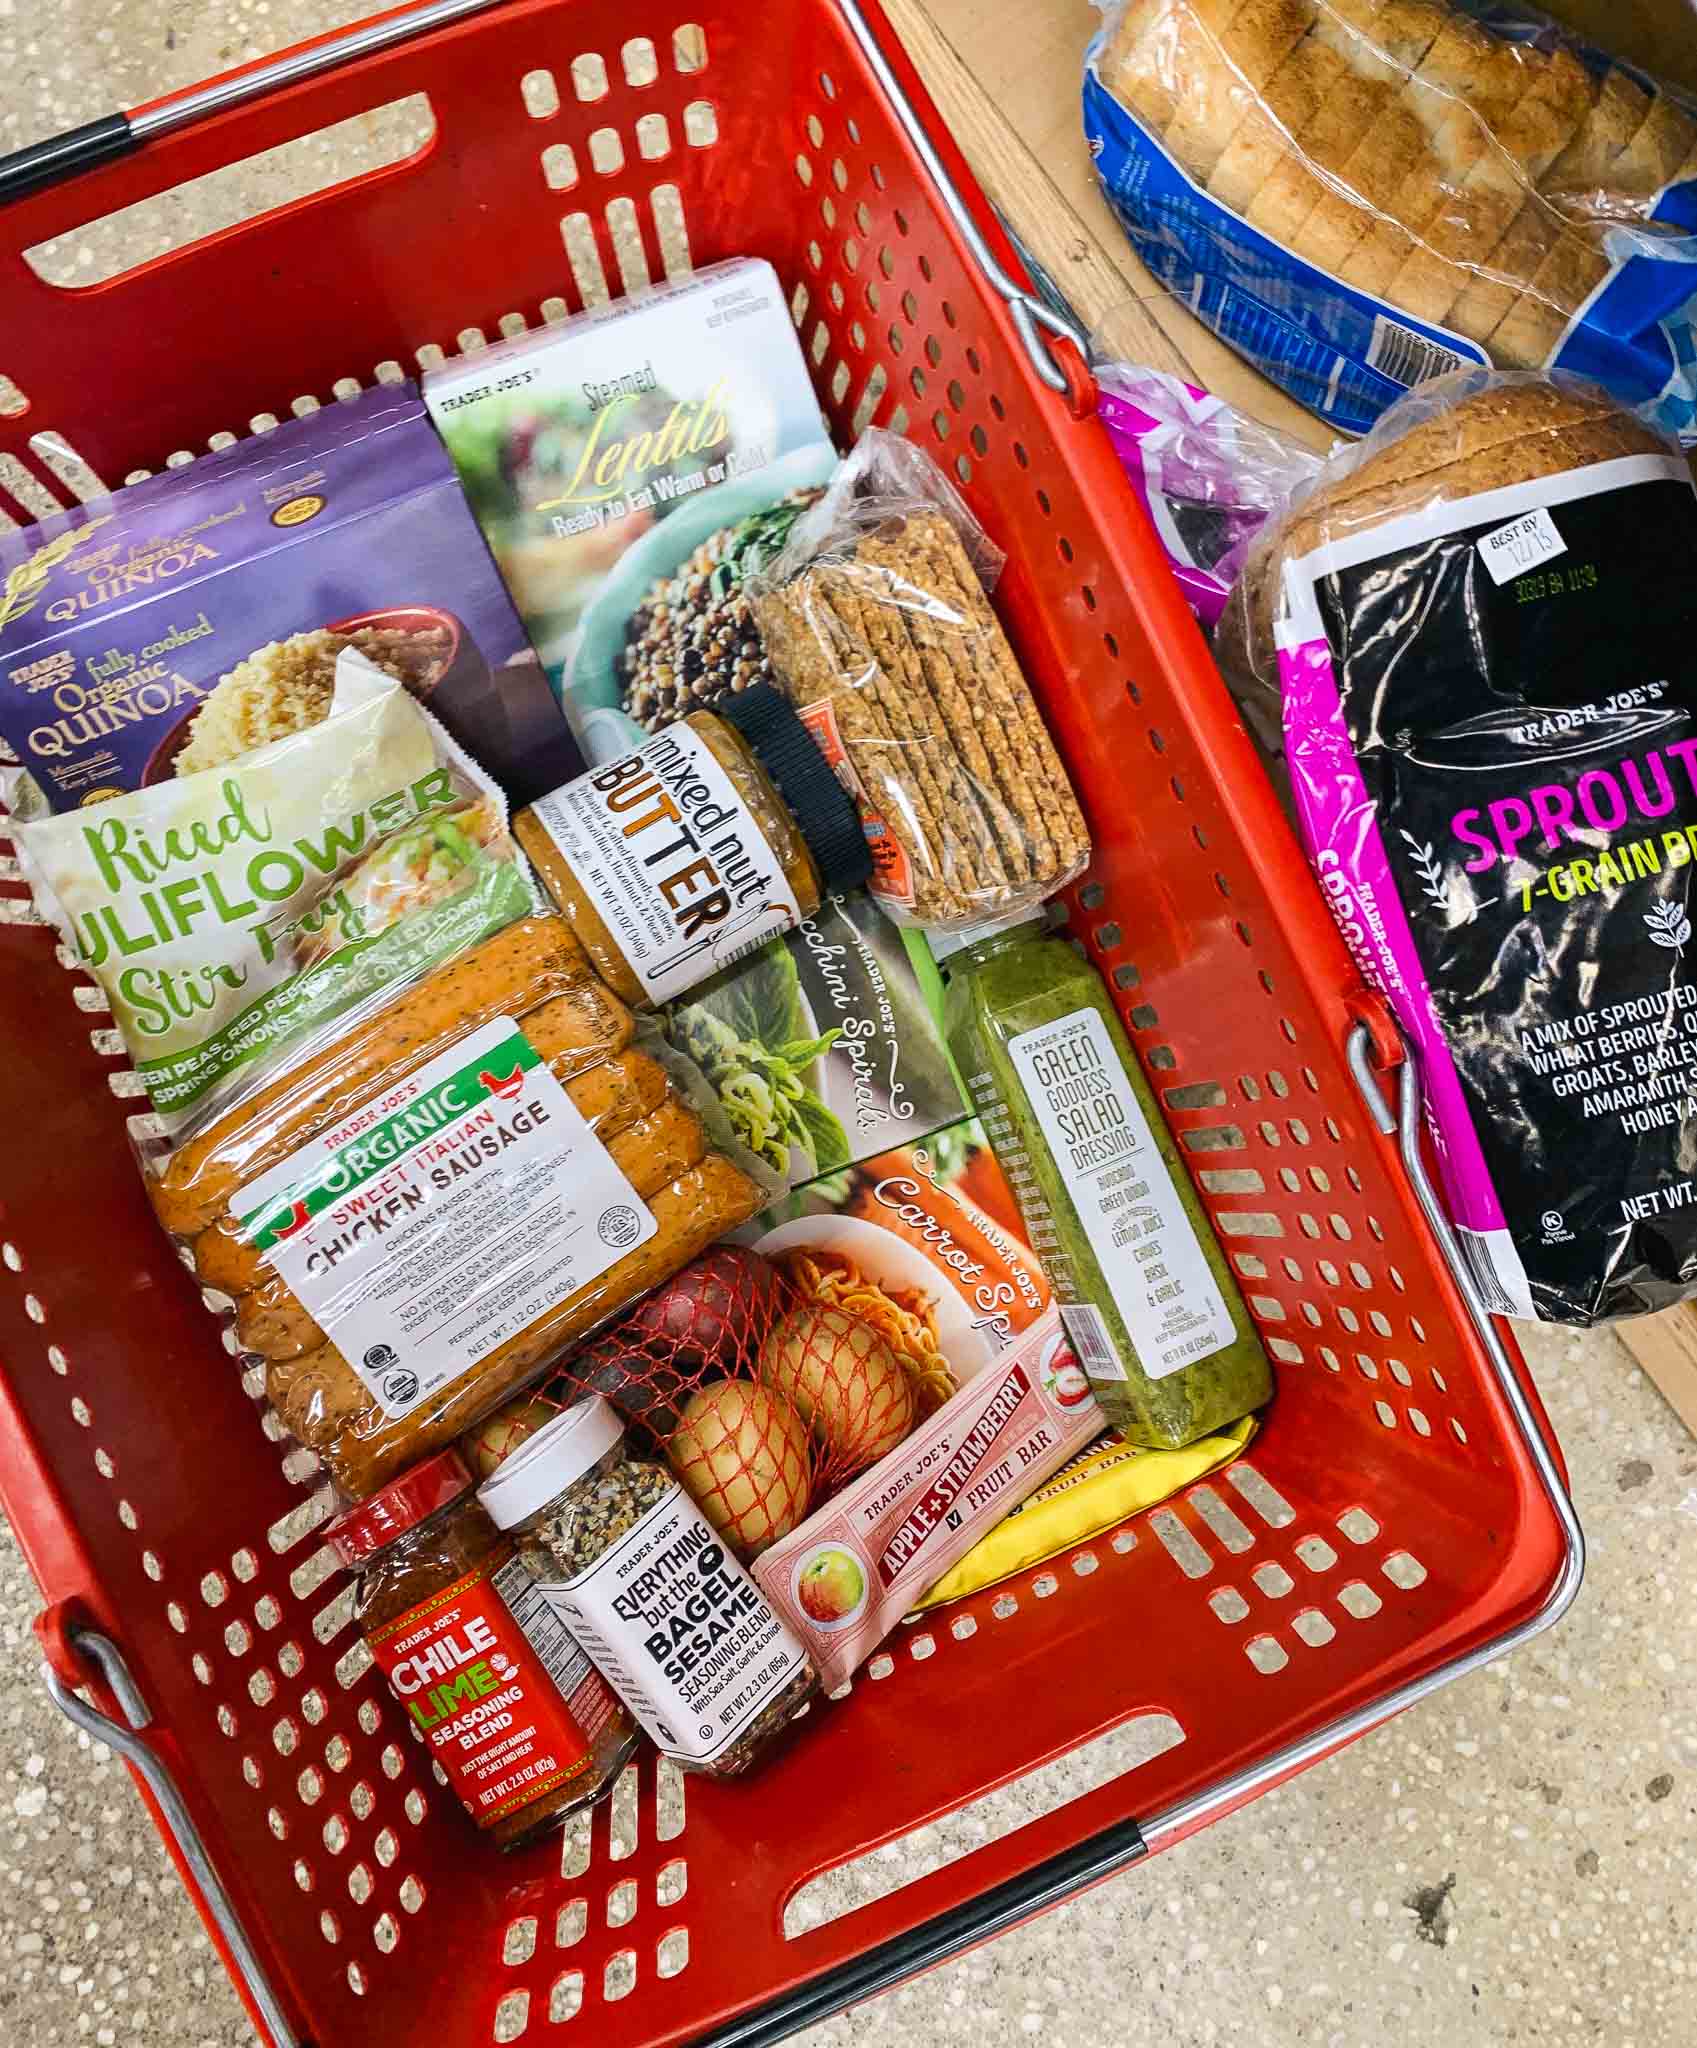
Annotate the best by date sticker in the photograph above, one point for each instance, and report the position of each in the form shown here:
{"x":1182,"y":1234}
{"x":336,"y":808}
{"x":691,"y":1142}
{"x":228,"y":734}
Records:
{"x":1524,"y":543}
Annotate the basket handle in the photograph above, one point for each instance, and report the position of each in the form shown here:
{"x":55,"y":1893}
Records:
{"x":1028,"y":312}
{"x":938,"y":1940}
{"x":101,"y":1651}
{"x":115,"y":135}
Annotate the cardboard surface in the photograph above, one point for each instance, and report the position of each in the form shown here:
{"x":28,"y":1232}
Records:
{"x":1666,"y":1347}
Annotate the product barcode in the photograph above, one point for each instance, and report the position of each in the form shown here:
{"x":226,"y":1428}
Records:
{"x":1090,"y":1339}
{"x":1405,"y":357}
{"x":1477,"y":1257}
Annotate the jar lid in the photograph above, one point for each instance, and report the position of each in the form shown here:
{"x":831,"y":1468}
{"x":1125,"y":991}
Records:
{"x":401,"y":1505}
{"x":545,"y":1464}
{"x":807,"y":782}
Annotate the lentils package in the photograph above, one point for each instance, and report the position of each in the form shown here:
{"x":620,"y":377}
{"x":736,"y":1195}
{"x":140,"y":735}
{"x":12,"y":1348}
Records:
{"x":1486,"y":627}
{"x":628,"y":467}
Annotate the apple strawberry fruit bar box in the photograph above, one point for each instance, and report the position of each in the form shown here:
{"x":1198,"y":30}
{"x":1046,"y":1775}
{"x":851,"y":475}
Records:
{"x":194,"y":616}
{"x":925,"y":1244}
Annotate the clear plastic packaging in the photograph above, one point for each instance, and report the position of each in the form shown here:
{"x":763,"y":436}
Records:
{"x":878,"y":624}
{"x":242,"y":917}
{"x":626,"y":1560}
{"x":1479,"y":633}
{"x":414,"y":1224}
{"x":1361,"y":194}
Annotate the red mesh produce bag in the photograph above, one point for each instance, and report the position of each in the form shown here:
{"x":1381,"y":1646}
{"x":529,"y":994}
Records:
{"x":761,"y":1380}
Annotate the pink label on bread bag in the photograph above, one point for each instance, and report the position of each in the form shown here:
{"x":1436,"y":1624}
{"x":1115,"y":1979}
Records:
{"x":1340,"y":832}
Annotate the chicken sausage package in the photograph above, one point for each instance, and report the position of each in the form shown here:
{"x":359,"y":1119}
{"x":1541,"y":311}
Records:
{"x":1480,"y":627}
{"x":402,"y":1127}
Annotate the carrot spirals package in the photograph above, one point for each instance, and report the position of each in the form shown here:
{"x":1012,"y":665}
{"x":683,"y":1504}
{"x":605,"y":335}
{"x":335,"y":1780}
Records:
{"x":915,"y":1247}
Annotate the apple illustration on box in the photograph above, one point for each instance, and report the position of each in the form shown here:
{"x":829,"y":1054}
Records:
{"x":831,"y":1586}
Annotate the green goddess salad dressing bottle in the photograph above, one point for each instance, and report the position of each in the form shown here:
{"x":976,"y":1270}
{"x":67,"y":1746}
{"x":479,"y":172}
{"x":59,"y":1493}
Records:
{"x":1148,"y":1300}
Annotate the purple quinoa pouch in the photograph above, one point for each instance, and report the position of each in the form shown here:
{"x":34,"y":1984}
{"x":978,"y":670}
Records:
{"x":1490,"y":711}
{"x":251,"y":567}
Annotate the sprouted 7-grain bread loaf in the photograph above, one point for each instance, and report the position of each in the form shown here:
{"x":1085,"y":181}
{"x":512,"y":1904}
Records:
{"x":1478,"y":638}
{"x":1506,"y":431}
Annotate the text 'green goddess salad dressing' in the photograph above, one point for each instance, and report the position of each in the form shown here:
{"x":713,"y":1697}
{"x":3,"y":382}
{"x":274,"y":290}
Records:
{"x":1146,"y":1295}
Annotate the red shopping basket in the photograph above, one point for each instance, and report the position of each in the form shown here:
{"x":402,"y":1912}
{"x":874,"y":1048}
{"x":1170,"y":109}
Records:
{"x":1400,"y":1517}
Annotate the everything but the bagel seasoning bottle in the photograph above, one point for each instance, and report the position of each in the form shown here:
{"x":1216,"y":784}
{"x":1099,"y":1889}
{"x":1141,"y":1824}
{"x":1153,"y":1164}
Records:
{"x":634,"y":1569}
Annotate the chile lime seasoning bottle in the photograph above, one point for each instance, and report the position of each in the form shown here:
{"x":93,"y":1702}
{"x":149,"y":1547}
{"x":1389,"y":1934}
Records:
{"x":1145,"y":1292}
{"x":522,"y":1723}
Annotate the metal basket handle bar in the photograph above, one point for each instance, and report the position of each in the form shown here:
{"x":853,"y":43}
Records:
{"x":116,"y":135}
{"x":1115,"y":1848}
{"x":126,"y":1740}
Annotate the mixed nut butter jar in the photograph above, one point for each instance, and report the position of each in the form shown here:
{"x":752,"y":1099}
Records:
{"x":717,"y":834}
{"x":639,"y":1576}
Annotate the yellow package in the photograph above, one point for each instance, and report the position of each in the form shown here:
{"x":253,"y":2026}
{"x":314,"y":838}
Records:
{"x":1102,"y":1485}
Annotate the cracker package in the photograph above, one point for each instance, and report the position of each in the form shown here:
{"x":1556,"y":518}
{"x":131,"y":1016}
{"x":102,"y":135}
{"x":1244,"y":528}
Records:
{"x":878,"y":624}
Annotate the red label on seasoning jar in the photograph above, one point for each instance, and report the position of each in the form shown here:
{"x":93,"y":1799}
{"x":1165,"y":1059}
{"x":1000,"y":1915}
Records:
{"x":492,"y":1707}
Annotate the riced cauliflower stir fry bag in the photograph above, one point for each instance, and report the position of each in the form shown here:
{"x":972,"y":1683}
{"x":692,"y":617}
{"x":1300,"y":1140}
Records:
{"x":235,"y":915}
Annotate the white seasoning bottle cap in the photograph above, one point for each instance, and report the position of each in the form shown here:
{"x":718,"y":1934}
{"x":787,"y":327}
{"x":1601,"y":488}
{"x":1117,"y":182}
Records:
{"x":544,"y":1465}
